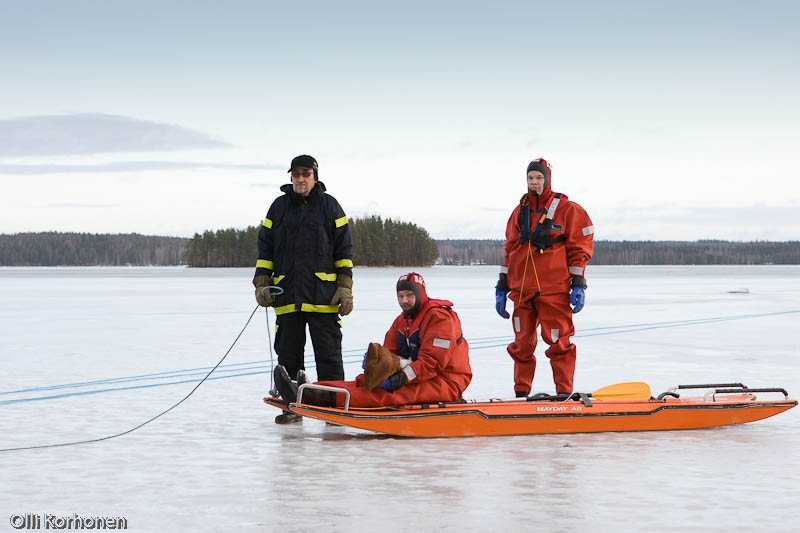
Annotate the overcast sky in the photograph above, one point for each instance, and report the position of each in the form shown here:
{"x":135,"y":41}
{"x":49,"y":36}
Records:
{"x":673,"y":120}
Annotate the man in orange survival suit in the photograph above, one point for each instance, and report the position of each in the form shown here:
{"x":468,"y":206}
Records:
{"x":433,"y":353}
{"x":549,"y":240}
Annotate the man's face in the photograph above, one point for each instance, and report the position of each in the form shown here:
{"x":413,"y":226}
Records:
{"x":406,"y":299}
{"x":303,"y":180}
{"x":535,"y":181}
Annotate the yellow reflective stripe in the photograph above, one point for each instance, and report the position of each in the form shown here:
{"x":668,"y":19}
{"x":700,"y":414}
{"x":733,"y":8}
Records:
{"x":324,"y":276}
{"x":277,"y":279}
{"x":282,"y":310}
{"x":267,"y":223}
{"x":341,"y":221}
{"x":263,"y":263}
{"x":307,"y":308}
{"x":343,"y":263}
{"x":312,"y":308}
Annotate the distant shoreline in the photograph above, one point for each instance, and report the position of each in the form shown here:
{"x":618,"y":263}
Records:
{"x":84,"y":249}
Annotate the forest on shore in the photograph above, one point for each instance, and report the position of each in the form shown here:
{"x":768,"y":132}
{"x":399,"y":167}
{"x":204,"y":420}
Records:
{"x":376,"y":242}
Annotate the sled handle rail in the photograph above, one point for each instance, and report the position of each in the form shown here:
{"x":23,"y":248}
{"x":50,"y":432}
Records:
{"x":709,"y":386}
{"x":672,"y":391}
{"x":328,"y":388}
{"x":723,"y":388}
{"x":746,"y":389}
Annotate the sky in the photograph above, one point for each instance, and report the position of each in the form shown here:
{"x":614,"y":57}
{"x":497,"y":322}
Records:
{"x":665,"y":120}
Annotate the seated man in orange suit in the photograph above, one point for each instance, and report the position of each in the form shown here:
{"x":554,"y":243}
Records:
{"x":424,"y":350}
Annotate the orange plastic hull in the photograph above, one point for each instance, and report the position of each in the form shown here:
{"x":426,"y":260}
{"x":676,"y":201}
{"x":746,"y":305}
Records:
{"x":520,"y":417}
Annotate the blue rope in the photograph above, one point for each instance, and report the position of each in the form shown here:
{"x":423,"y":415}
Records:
{"x":234,"y":370}
{"x":356,"y":355}
{"x":159,"y":415}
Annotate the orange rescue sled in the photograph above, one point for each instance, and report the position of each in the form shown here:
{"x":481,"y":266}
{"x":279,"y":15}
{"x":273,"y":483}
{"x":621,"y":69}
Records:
{"x":620,"y":407}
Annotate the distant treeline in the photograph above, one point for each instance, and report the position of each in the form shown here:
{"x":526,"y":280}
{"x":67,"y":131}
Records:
{"x":88,"y":249}
{"x":376,"y":242}
{"x":705,"y":252}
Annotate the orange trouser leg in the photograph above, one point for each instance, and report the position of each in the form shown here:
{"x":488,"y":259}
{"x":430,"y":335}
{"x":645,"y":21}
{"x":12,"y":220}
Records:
{"x":431,"y":391}
{"x":555,"y":317}
{"x":524,"y":320}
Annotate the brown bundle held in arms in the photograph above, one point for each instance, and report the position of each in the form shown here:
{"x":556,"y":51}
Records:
{"x":380,"y":364}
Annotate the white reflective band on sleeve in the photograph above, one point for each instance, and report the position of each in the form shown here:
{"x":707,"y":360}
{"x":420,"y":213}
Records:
{"x":503,"y":269}
{"x":576,"y":271}
{"x":404,"y":362}
{"x":516,"y":324}
{"x":554,"y":335}
{"x":409,"y":372}
{"x":441,"y":343}
{"x":588,"y":230}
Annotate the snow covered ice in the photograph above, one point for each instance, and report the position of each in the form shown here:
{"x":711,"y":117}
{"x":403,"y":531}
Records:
{"x":93,"y":352}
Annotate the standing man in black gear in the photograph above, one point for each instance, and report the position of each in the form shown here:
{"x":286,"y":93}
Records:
{"x":305,"y":248}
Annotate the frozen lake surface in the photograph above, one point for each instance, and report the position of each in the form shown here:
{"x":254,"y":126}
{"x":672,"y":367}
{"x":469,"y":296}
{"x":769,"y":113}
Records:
{"x":93,"y":352}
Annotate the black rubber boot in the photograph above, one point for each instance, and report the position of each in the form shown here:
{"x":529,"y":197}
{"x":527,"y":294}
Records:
{"x":285,"y":385}
{"x":319,"y":397}
{"x":288,"y":418}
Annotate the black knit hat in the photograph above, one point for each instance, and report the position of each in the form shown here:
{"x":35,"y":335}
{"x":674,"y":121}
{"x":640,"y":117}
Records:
{"x":542,"y":166}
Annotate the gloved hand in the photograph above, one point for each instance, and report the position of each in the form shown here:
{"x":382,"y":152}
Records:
{"x":501,"y":296}
{"x":395,"y":381}
{"x":577,"y":296}
{"x":263,"y":296}
{"x":344,"y":294}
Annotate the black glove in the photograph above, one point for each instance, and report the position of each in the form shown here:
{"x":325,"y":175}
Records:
{"x":395,"y":381}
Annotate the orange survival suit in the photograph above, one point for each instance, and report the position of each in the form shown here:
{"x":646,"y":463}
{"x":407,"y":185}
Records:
{"x":549,"y":241}
{"x":434,"y":352}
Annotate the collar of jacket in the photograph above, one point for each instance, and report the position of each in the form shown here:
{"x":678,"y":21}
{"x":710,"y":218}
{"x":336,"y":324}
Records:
{"x":318,"y":189}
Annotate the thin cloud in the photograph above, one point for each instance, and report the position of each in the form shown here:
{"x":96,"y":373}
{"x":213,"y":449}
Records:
{"x":79,"y":206}
{"x":757,"y":215}
{"x":124,"y":166}
{"x":91,"y":133}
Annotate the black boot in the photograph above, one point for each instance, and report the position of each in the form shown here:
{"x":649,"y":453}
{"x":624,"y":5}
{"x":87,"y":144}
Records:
{"x":312,"y":396}
{"x":318,"y":397}
{"x":285,"y":385}
{"x":288,"y":418}
{"x":521,"y":394}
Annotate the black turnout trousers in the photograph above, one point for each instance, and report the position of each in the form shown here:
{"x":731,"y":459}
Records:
{"x":326,"y":338}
